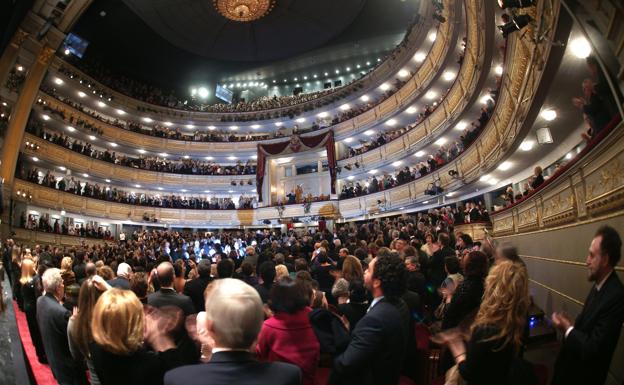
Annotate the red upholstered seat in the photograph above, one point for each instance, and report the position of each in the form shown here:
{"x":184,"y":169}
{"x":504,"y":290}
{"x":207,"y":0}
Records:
{"x":322,"y":375}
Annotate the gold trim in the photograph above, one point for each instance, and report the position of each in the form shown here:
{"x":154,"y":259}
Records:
{"x":563,"y":261}
{"x":596,"y":219}
{"x":576,"y":301}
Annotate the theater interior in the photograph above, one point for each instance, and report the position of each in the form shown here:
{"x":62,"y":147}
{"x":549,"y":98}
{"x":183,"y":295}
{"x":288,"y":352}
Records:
{"x":144,"y":133}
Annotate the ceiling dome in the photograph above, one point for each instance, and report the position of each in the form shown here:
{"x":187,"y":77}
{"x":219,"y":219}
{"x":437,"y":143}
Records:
{"x":273,"y":29}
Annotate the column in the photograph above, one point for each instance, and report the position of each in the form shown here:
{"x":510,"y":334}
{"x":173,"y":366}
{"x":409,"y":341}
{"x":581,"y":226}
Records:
{"x":10,"y":53}
{"x":21,"y":112}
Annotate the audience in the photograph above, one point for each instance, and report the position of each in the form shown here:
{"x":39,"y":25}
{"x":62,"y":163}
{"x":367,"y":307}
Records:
{"x":120,"y":355}
{"x":96,"y":191}
{"x":230,"y":326}
{"x":287,"y":336}
{"x":307,"y":325}
{"x":495,"y":336}
{"x":52,"y":318}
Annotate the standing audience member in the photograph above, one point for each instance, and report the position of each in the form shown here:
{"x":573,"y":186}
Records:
{"x":589,"y":342}
{"x":52,"y":318}
{"x":31,"y":290}
{"x":120,"y":355}
{"x":232,"y":321}
{"x":195,"y":288}
{"x":496,"y":335}
{"x":378,"y":343}
{"x":124,"y":272}
{"x":79,"y":326}
{"x":288,"y":335}
{"x":167,"y":295}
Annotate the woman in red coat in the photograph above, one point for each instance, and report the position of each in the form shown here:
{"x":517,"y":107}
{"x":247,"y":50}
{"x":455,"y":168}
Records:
{"x":288,"y":336}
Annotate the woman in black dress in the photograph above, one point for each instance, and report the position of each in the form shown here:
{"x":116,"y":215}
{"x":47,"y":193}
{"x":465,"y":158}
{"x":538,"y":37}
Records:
{"x":31,"y":290}
{"x":490,"y":353}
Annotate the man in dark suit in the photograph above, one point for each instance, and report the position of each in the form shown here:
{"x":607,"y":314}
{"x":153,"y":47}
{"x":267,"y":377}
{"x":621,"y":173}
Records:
{"x":167,"y":295}
{"x":436,"y":273}
{"x":228,"y":330}
{"x":590,"y":341}
{"x":195,"y":288}
{"x":377,"y":349}
{"x":122,"y":281}
{"x":52,"y":318}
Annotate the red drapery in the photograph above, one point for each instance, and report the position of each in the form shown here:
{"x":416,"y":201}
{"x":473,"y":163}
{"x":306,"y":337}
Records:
{"x":297,"y":144}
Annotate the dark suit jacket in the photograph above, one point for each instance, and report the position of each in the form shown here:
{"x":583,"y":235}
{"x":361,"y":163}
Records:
{"x":234,"y":367}
{"x":120,"y":283}
{"x":52,"y":318}
{"x":376,"y":352}
{"x":435,"y":273}
{"x":169,"y":297}
{"x":140,"y":367}
{"x":195,"y":290}
{"x":587,"y":351}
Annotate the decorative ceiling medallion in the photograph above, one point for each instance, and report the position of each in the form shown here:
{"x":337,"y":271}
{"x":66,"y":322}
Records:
{"x":244,"y":10}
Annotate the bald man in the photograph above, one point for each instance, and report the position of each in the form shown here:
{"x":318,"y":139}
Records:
{"x":167,"y":296}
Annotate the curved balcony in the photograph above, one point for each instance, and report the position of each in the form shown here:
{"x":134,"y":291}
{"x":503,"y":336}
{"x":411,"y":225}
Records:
{"x":520,"y":81}
{"x":445,"y":114}
{"x":52,"y":198}
{"x":84,"y":164}
{"x":582,"y":192}
{"x":397,"y":59}
{"x":420,"y":81}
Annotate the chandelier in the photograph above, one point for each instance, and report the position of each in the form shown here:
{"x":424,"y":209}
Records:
{"x":244,"y":10}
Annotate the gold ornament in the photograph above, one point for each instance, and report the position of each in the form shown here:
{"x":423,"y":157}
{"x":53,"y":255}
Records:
{"x":244,"y":10}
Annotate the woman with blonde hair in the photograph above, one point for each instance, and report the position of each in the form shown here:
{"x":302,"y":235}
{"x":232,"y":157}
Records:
{"x":66,"y":271}
{"x":496,"y":334}
{"x":31,"y":290}
{"x":120,"y":330}
{"x":280,"y":272}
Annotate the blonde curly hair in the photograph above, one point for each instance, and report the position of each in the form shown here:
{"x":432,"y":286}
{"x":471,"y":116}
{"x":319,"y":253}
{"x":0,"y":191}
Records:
{"x":505,"y":302}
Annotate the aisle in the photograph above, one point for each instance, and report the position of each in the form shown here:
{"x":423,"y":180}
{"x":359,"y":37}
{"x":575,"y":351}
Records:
{"x":42,"y":373}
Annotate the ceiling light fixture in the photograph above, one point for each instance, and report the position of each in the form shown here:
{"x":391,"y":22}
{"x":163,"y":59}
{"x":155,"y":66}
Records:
{"x":419,"y":154}
{"x":527,"y":145}
{"x":411,"y":110}
{"x":364,"y":98}
{"x":419,"y":57}
{"x":580,"y":48}
{"x":448,"y":76}
{"x":504,"y":166}
{"x":369,"y":132}
{"x":391,"y":122}
{"x":549,"y":115}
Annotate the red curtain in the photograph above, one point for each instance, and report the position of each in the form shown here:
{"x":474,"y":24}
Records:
{"x":293,"y":145}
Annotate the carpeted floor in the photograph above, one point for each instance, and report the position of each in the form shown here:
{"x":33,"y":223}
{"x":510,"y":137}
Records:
{"x":42,"y":373}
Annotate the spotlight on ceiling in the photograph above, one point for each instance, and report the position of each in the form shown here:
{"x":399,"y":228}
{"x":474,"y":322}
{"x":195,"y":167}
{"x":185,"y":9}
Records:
{"x":549,"y":115}
{"x":580,"y":48}
{"x":504,"y":4}
{"x":420,"y":57}
{"x":504,"y":166}
{"x":527,"y":145}
{"x":202,"y":92}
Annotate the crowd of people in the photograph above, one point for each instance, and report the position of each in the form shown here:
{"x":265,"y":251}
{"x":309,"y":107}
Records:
{"x":442,"y":156}
{"x":168,"y":307}
{"x":64,"y":226}
{"x":152,"y":163}
{"x":104,"y":192}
